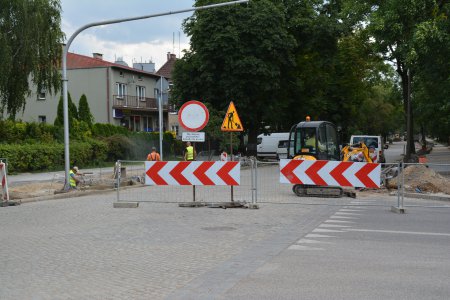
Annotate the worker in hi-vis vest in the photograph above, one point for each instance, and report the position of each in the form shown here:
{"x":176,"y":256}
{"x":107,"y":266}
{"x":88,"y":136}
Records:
{"x":189,"y":152}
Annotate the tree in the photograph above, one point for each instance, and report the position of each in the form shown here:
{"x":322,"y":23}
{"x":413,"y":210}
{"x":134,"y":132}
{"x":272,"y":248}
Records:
{"x":73,"y":113}
{"x":394,"y":25}
{"x":84,"y":112}
{"x":237,"y":53}
{"x":432,"y":84}
{"x":30,"y":39}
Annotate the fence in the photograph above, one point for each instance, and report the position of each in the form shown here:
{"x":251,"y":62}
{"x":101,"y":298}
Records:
{"x":131,"y":187}
{"x":260,"y":183}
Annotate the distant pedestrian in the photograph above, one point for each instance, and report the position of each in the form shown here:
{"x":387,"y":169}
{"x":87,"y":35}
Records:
{"x":224,"y":156}
{"x":154,"y":156}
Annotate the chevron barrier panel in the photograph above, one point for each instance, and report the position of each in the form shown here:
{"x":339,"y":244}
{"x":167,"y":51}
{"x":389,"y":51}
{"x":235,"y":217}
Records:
{"x":330,"y":173}
{"x":4,"y":182}
{"x":192,"y":173}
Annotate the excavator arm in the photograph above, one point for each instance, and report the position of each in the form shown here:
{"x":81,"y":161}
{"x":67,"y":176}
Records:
{"x":356,"y":152}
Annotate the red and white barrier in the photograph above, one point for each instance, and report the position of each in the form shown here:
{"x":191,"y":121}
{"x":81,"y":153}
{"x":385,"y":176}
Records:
{"x":4,"y":181}
{"x":192,"y":173}
{"x":330,"y":173}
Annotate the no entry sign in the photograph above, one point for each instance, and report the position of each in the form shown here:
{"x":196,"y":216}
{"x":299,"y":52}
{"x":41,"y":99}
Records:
{"x":193,"y":115}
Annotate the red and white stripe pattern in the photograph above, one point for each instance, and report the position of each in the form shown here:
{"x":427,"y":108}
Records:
{"x":330,"y":173}
{"x":192,"y":173}
{"x":5,"y":194}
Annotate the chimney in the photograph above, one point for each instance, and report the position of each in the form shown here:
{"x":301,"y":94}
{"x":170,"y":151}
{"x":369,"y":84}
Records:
{"x":173,"y":56}
{"x":97,"y":56}
{"x":168,"y":55}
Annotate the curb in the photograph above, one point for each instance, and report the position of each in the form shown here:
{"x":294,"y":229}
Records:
{"x":427,"y":196}
{"x":63,"y":196}
{"x":423,"y":196}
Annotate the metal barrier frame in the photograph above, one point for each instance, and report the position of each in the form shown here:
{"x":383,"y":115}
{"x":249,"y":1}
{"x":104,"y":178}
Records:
{"x":254,"y":165}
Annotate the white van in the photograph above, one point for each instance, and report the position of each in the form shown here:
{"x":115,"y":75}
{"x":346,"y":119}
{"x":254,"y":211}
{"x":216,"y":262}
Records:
{"x":267,"y":145}
{"x":371,"y":140}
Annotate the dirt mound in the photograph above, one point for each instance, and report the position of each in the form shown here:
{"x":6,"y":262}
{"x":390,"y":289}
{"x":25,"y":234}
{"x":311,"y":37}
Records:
{"x":422,"y":179}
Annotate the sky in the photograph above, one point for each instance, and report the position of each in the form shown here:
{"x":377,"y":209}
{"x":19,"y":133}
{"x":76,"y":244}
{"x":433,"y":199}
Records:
{"x":135,"y":41}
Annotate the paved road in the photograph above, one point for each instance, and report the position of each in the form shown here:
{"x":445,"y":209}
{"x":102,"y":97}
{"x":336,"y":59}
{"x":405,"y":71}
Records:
{"x":82,"y":248}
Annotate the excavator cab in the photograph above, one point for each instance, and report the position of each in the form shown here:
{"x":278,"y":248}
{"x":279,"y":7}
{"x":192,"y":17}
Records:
{"x":315,"y":140}
{"x":312,"y":140}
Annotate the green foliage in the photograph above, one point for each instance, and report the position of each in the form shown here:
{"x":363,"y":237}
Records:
{"x":19,"y":132}
{"x":105,"y":130}
{"x":84,"y":112}
{"x":238,"y":53}
{"x":119,"y":147}
{"x":50,"y":156}
{"x":30,"y":39}
{"x":73,"y":112}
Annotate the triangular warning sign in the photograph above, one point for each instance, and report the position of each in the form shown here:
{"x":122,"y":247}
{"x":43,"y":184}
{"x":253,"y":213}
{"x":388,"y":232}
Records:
{"x":231,"y":122}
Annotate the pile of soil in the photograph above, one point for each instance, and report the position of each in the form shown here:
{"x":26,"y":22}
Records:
{"x":423,"y":178}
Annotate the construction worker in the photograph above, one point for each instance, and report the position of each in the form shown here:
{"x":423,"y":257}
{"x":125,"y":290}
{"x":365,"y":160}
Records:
{"x":373,"y":154}
{"x":154,"y":156}
{"x":74,"y":181}
{"x":224,"y":156}
{"x":189,"y":152}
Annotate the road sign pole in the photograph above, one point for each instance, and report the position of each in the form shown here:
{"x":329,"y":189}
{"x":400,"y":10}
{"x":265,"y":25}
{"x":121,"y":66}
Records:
{"x":231,"y":153}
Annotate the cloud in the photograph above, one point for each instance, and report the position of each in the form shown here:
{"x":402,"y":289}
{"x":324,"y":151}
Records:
{"x":154,"y":50}
{"x":144,"y":40}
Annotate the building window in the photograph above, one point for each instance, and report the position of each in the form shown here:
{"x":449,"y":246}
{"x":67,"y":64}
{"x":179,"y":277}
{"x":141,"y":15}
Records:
{"x":41,"y":94}
{"x":140,"y":77}
{"x":121,"y":90}
{"x":121,"y":74}
{"x":140,"y":92}
{"x":42,"y":119}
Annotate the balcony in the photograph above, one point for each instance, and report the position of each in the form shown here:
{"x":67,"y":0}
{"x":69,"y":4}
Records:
{"x":138,"y":103}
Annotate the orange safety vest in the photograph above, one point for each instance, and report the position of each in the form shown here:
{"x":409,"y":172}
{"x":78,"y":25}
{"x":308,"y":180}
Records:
{"x":154,"y":157}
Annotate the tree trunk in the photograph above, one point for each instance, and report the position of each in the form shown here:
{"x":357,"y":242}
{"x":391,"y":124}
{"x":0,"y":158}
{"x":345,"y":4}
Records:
{"x":407,"y":106}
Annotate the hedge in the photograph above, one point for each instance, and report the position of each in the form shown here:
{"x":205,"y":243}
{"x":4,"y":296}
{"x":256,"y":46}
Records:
{"x":43,"y":157}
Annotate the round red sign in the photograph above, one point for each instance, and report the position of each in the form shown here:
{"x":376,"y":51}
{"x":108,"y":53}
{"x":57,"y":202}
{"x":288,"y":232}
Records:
{"x":193,"y":115}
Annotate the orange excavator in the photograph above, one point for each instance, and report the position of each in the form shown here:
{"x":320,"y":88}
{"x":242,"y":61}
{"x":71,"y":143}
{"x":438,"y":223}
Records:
{"x":315,"y":140}
{"x":357,"y":152}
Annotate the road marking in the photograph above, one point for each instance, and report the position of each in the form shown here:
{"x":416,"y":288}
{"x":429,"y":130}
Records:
{"x":326,"y":230}
{"x":346,"y":214}
{"x":400,"y":232}
{"x":332,"y":226}
{"x":343,"y":217}
{"x":363,"y":202}
{"x":338,"y":221}
{"x":312,"y":235}
{"x":301,"y":247}
{"x":306,"y":241}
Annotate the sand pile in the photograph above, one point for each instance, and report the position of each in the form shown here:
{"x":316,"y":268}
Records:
{"x":423,"y":178}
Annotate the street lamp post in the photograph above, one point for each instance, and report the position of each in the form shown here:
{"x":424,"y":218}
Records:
{"x":64,"y":68}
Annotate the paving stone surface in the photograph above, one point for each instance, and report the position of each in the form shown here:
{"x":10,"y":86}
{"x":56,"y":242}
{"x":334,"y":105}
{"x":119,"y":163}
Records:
{"x":83,"y":248}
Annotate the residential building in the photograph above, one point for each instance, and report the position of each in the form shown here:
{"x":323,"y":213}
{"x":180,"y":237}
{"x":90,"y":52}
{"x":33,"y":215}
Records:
{"x":166,"y":71}
{"x":117,"y":94}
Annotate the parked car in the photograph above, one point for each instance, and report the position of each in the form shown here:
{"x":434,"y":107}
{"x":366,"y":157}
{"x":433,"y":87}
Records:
{"x":371,"y":140}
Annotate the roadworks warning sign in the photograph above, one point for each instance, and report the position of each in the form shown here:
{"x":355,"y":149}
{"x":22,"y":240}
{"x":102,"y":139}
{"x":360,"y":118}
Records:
{"x":231,"y":122}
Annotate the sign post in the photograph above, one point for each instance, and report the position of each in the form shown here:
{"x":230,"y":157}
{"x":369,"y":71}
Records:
{"x":193,"y":116}
{"x":231,"y":123}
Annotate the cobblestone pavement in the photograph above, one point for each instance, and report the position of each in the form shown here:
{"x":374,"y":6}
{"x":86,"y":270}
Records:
{"x":83,"y":248}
